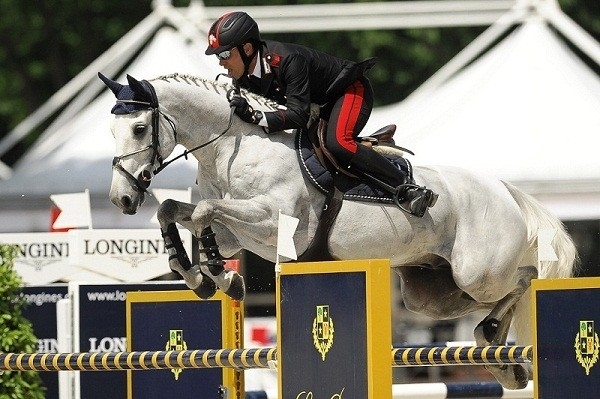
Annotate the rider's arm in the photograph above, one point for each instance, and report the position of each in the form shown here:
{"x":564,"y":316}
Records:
{"x":295,"y":75}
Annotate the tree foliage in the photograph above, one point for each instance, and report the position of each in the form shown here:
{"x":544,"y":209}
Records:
{"x":45,"y":43}
{"x":16,"y":332}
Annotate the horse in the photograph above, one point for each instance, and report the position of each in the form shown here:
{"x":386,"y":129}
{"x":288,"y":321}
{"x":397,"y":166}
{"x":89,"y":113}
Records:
{"x":475,"y":250}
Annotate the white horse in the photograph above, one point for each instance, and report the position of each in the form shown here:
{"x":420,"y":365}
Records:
{"x":476,"y":249}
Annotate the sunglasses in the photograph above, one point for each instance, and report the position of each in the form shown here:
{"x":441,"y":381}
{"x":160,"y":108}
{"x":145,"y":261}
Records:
{"x":224,"y":55}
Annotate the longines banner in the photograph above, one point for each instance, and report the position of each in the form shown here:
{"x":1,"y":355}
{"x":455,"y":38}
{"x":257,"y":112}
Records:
{"x":42,"y":257}
{"x":100,"y":325}
{"x":129,"y":255}
{"x":40,"y":310}
{"x":126,"y":255}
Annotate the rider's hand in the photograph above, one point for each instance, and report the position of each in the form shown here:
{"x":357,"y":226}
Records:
{"x":242,"y":108}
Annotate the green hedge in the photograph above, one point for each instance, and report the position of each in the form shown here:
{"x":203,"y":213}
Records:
{"x":16,"y":332}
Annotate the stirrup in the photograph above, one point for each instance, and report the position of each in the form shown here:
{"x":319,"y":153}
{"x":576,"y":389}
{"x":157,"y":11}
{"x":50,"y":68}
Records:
{"x":424,"y":198}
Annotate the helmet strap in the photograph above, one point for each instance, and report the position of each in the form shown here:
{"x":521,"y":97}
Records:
{"x":245,"y":58}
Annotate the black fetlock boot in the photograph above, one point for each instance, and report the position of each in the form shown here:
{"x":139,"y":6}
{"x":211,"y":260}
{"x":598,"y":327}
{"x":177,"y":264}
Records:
{"x":229,"y":281}
{"x":418,"y":198}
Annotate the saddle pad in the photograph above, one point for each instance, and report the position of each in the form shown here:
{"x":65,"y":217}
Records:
{"x":353,"y":189}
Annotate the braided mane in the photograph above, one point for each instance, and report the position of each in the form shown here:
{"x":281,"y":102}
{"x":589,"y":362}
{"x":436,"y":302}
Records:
{"x":220,"y":88}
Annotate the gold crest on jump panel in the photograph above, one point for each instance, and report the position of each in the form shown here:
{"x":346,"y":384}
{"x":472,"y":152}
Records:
{"x":323,"y":330}
{"x":176,"y":343}
{"x":587,"y":345}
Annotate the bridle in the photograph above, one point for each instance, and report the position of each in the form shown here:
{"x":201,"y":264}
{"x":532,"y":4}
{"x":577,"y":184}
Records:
{"x":143,"y":180}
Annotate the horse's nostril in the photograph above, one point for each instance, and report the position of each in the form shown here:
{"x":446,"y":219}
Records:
{"x":126,"y":201}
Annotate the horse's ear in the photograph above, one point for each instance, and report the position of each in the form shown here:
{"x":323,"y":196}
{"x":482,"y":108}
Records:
{"x":111,"y":84}
{"x":139,"y":91}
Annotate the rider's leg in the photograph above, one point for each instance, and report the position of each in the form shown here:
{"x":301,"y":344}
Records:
{"x":370,"y":162}
{"x":348,"y":116}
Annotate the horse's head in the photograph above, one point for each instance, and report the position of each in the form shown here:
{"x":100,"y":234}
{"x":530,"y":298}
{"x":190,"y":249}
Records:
{"x":140,"y":142}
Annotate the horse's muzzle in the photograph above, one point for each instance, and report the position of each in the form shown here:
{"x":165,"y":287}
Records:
{"x":127,"y":203}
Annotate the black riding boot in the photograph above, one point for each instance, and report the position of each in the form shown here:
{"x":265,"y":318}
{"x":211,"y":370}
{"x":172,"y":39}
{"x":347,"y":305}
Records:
{"x":418,"y":198}
{"x":376,"y":169}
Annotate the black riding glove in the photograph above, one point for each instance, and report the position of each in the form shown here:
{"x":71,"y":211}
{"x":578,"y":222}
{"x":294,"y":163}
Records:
{"x":242,"y":108}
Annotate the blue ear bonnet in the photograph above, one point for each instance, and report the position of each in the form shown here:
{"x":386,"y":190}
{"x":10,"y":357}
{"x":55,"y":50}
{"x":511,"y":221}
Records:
{"x":123,"y":106}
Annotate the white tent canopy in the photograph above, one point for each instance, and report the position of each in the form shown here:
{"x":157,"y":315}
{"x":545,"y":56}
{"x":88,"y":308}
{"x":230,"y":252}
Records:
{"x":520,"y":112}
{"x":75,"y":152}
{"x":67,"y":161}
{"x":526,"y":111}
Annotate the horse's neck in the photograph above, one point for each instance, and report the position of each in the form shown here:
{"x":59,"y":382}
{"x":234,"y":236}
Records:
{"x":199,"y":109}
{"x":202,"y":115}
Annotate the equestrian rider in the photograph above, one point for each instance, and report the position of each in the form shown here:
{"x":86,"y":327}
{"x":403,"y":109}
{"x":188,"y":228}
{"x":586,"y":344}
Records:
{"x":296,"y":76}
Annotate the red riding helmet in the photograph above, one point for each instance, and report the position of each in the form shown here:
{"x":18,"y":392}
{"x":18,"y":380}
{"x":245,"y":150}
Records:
{"x":231,"y":30}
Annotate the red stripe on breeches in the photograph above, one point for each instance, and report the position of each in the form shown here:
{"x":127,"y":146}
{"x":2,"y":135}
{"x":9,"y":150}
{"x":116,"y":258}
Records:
{"x":348,"y":116}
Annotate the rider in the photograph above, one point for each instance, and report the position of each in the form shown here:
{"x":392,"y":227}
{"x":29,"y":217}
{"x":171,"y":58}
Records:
{"x":296,"y":76}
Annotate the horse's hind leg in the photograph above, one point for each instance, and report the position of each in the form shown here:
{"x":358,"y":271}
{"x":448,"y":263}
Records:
{"x":493,"y":330}
{"x":202,"y":279}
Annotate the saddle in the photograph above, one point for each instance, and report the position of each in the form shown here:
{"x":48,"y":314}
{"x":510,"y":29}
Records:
{"x":322,"y":169}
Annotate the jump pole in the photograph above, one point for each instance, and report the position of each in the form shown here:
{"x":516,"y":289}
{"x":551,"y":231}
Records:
{"x":248,"y":358}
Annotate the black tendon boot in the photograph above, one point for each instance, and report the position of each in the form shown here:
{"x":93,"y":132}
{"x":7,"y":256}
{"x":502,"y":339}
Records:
{"x":229,"y":281}
{"x":376,"y":169}
{"x":179,"y":262}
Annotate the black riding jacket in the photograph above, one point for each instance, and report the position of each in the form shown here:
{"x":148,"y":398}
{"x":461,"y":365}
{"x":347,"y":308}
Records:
{"x":296,"y":76}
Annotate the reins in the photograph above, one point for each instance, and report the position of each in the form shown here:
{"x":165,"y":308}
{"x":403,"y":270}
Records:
{"x":187,"y":152}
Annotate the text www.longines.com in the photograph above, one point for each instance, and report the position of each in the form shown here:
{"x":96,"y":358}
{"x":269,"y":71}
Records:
{"x":111,"y":296}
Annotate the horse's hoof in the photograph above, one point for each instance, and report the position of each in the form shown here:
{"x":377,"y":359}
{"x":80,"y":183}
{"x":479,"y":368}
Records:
{"x":193,"y":276}
{"x":229,"y":281}
{"x":237,"y":288}
{"x":207,"y":288}
{"x":510,"y":376}
{"x":486,"y":331}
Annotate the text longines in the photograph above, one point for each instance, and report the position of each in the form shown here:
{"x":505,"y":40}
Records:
{"x":124,"y":247}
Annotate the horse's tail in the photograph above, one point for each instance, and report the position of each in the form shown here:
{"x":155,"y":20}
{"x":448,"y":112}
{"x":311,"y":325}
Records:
{"x":537,"y":217}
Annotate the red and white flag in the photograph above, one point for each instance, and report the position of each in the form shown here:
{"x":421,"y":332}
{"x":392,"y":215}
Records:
{"x":75,"y":210}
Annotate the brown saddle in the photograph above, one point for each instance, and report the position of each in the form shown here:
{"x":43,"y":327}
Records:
{"x":383,"y":136}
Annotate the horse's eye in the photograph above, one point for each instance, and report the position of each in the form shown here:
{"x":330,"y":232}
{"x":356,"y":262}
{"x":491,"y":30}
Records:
{"x":139,"y":129}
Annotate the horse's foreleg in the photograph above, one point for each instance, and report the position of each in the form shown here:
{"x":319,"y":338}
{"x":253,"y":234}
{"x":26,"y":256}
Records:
{"x":179,"y":262}
{"x":493,"y":330}
{"x":202,"y":281}
{"x":251,"y":218}
{"x":229,"y":281}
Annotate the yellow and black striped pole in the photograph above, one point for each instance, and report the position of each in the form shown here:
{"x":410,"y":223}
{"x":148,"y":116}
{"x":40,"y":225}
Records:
{"x":457,"y":355}
{"x":141,"y":360}
{"x":249,"y":358}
